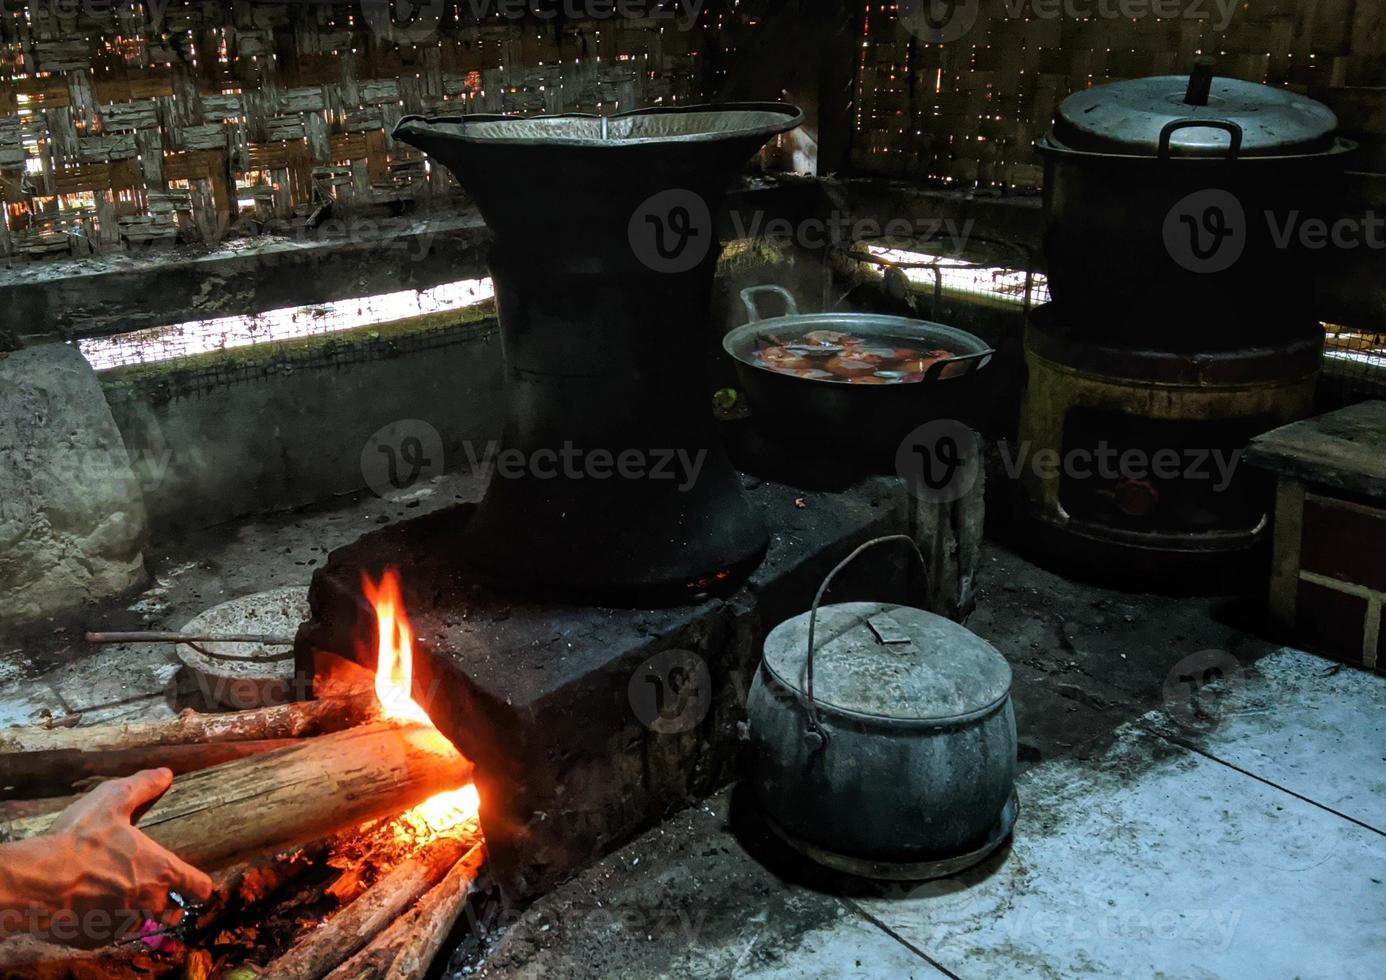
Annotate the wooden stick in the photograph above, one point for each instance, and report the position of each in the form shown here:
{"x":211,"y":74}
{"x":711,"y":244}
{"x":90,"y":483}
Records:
{"x":161,"y":637}
{"x":406,"y":949}
{"x":285,"y":797}
{"x":358,"y":923}
{"x":297,"y":720}
{"x":55,"y":771}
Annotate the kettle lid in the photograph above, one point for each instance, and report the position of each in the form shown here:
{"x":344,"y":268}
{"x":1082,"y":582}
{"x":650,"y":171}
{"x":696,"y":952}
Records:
{"x":890,"y":662}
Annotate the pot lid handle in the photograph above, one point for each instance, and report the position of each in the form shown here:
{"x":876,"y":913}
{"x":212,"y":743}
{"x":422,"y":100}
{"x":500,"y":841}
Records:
{"x":816,"y":736}
{"x":1226,"y":125}
{"x":1200,"y":81}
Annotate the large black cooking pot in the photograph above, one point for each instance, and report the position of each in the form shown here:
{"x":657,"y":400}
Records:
{"x":860,"y":420}
{"x":1167,"y":199}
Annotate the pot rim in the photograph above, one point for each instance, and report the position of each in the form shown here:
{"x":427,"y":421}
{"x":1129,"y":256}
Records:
{"x":778,"y":684}
{"x":791,"y":117}
{"x":869,"y":323}
{"x":1049,"y":146}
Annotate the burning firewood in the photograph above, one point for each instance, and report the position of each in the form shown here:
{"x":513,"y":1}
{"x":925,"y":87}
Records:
{"x":295,"y":794}
{"x":406,"y":950}
{"x":355,"y":926}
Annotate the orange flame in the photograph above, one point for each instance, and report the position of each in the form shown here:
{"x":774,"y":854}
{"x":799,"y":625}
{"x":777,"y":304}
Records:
{"x":394,"y":670}
{"x":394,"y":688}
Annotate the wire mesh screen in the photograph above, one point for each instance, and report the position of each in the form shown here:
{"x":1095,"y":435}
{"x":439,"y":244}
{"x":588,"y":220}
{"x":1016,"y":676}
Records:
{"x":137,"y":121}
{"x":957,"y":91}
{"x":1354,"y":367}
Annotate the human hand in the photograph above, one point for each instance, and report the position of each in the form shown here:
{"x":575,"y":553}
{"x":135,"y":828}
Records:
{"x":94,"y":877}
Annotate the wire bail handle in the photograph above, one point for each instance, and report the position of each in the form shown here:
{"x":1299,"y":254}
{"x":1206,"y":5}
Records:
{"x":816,"y":736}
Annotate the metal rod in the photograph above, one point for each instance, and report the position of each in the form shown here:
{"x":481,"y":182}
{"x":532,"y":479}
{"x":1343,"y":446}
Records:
{"x":156,"y":637}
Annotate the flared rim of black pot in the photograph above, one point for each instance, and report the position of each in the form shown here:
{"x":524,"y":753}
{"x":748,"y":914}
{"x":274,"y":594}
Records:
{"x":705,"y":123}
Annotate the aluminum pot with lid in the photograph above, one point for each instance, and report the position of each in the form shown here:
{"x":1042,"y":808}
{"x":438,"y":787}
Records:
{"x":1167,"y":201}
{"x":883,"y":738}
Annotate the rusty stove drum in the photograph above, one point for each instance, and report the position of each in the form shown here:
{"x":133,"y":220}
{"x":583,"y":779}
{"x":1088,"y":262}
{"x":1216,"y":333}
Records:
{"x":611,"y":484}
{"x":883,"y":739}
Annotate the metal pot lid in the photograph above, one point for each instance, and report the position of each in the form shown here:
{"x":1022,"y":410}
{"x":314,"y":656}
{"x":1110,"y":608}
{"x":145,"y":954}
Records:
{"x":890,"y":662}
{"x":1128,"y":117}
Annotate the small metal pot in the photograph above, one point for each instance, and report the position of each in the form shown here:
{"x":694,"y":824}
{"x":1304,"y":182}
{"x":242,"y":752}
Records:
{"x":858,"y":418}
{"x":1166,"y":198}
{"x":883,"y":738}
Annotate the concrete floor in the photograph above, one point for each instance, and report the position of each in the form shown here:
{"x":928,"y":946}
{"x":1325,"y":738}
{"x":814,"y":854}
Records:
{"x":1241,"y":833}
{"x":1255,"y":850}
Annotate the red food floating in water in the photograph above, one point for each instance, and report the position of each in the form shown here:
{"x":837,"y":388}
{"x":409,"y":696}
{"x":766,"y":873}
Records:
{"x":850,"y":359}
{"x":851,"y":366}
{"x":830,"y":338}
{"x":782,"y":360}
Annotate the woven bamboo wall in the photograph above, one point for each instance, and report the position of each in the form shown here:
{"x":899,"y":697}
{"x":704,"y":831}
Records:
{"x":967,"y":111}
{"x":117,"y":131}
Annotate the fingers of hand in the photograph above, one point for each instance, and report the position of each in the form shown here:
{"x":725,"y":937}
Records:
{"x":135,"y":791}
{"x":177,"y":875}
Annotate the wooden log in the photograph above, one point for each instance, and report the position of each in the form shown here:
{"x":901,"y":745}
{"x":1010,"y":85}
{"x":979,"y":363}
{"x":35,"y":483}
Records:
{"x":23,"y":809}
{"x":297,"y":720}
{"x":49,"y":772}
{"x":361,"y":921}
{"x":406,"y":949}
{"x":285,"y":797}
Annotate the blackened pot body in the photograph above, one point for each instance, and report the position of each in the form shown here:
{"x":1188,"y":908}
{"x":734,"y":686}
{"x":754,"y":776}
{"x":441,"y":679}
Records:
{"x":610,"y":482}
{"x":1189,"y":252}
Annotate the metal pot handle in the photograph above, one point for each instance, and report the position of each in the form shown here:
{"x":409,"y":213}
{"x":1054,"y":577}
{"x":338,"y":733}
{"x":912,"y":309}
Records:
{"x":749,"y":294}
{"x":818,"y":738}
{"x":935,"y":370}
{"x":1226,"y":125}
